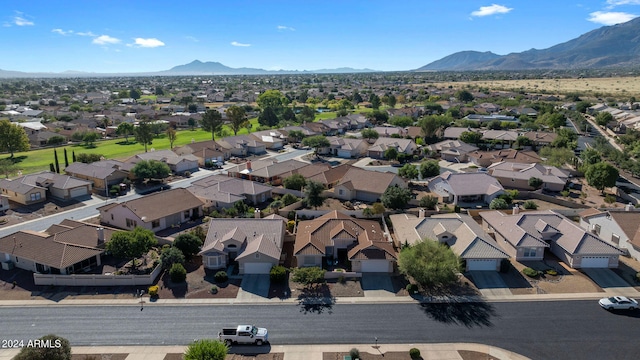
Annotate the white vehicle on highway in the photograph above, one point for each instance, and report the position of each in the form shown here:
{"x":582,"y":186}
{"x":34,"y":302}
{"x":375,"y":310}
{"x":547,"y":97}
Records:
{"x":618,"y":303}
{"x":244,"y":334}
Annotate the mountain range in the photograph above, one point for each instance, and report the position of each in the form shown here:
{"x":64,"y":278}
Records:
{"x":606,"y":47}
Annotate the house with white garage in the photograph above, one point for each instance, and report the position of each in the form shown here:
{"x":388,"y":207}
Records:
{"x":461,"y":233}
{"x":618,"y":227}
{"x":453,"y":150}
{"x":256,"y":244}
{"x":516,"y":175}
{"x":525,"y":236}
{"x":38,"y":187}
{"x":177,"y":163}
{"x":337,"y":238}
{"x":469,"y":188}
{"x":365,"y":185}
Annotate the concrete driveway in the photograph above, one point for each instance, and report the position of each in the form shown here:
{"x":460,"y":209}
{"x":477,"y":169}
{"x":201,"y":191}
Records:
{"x":490,"y":283}
{"x":377,"y":285}
{"x":610,"y":282}
{"x":254,"y":286}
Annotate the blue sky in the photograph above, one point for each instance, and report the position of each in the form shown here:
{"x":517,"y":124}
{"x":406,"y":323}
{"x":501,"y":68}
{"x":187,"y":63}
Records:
{"x":139,"y":35}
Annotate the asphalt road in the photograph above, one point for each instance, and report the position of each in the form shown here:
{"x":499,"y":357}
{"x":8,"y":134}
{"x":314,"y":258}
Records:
{"x":538,"y":330}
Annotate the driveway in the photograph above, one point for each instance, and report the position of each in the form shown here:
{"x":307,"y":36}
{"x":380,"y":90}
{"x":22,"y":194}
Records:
{"x":253,"y":286}
{"x":610,"y":282}
{"x":377,"y":285}
{"x":490,"y":283}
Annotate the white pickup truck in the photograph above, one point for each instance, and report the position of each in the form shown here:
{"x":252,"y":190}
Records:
{"x":244,"y":334}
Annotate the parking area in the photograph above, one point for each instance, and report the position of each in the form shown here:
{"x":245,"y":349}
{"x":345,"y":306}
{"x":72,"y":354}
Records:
{"x":254,"y":286}
{"x":377,"y":285}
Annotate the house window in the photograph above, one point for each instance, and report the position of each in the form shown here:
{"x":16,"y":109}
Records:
{"x":615,"y":239}
{"x":187,"y":213}
{"x":597,"y":228}
{"x":341,"y":192}
{"x":214,"y":261}
{"x":155,"y":223}
{"x":529,"y":252}
{"x":35,"y":196}
{"x":131,"y":223}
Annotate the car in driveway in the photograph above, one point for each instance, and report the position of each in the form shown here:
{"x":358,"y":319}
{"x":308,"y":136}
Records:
{"x":618,"y":303}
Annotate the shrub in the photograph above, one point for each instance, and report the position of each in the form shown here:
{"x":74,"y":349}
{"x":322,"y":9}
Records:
{"x":497,"y":204}
{"x":291,"y":215}
{"x":171,"y":256}
{"x":428,"y":202}
{"x":206,"y":349}
{"x":564,"y":193}
{"x":187,"y":174}
{"x":63,"y":352}
{"x":221,"y":276}
{"x":214,"y":289}
{"x":551,"y":272}
{"x":354,"y":353}
{"x":177,"y":273}
{"x":153,"y":290}
{"x":530,"y":205}
{"x":278,"y":274}
{"x":412,"y":288}
{"x":414,"y":353}
{"x":341,"y":279}
{"x":290,"y":225}
{"x":530,"y":272}
{"x":609,"y":199}
{"x":289,"y":199}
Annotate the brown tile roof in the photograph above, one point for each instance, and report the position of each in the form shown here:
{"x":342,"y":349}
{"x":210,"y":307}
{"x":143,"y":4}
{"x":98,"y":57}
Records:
{"x":370,"y":181}
{"x":158,"y":205}
{"x":629,"y":222}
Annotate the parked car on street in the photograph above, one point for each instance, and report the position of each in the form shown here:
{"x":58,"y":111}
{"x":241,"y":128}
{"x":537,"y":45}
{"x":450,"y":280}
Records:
{"x":244,"y":334}
{"x":618,"y":303}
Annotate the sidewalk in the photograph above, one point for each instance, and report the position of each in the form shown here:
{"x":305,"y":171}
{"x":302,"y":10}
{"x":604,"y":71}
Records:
{"x":447,"y":351}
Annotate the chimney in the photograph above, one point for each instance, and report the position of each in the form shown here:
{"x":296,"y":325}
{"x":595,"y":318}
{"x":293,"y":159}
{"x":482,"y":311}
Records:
{"x":421,"y":213}
{"x":628,"y":207}
{"x":256,"y":214}
{"x":515,"y":210}
{"x":100,"y":232}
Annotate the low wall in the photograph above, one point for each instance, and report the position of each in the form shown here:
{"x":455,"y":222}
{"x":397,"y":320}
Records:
{"x":97,"y":279}
{"x":317,"y":213}
{"x":552,"y":199}
{"x":282,"y":191}
{"x":329,"y":275}
{"x":285,"y":209}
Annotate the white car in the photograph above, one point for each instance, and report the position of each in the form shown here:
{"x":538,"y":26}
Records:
{"x":618,"y":303}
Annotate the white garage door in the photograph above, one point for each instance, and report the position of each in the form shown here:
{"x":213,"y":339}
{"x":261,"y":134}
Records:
{"x":375,"y":266}
{"x":77,"y":192}
{"x":595,"y":262}
{"x":257,"y":268}
{"x":482,"y":264}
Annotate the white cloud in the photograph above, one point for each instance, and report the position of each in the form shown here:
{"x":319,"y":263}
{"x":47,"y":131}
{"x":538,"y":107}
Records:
{"x":610,"y":18}
{"x":88,"y":33}
{"x":192,"y":38}
{"x":20,"y":21}
{"x":285,"y":28}
{"x":62,"y":32}
{"x":235,"y":43}
{"x":148,"y":43}
{"x":105,"y":39}
{"x":613,"y":3}
{"x":491,"y":10}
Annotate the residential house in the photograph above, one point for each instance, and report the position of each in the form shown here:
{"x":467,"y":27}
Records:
{"x":178,"y":164}
{"x":345,"y":148}
{"x":266,"y":171}
{"x":469,"y":188}
{"x":336,"y":238}
{"x":525,"y":236}
{"x":365,"y":185}
{"x":503,"y":137}
{"x":459,"y":232}
{"x":66,"y":248}
{"x":102,"y":174}
{"x":541,"y":138}
{"x":404,"y":146}
{"x":329,"y":177}
{"x":455,"y":132}
{"x":486,"y":158}
{"x":219,"y":191}
{"x":256,"y":244}
{"x":273,"y":139}
{"x":34,"y":188}
{"x":205,"y":151}
{"x":390,"y":131}
{"x":516,"y":175}
{"x":453,"y":150}
{"x":154,"y":212}
{"x":242,"y":145}
{"x":413,"y":112}
{"x":486,"y":118}
{"x":618,"y":227}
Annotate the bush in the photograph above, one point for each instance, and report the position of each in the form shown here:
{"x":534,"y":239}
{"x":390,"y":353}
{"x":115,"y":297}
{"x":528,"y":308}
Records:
{"x":206,"y":349}
{"x":609,"y":199}
{"x":289,"y":199}
{"x":187,"y":174}
{"x":63,"y":352}
{"x":354,"y":353}
{"x":498,"y":204}
{"x":551,"y":272}
{"x":530,"y":272}
{"x":214,"y":289}
{"x":153,"y":290}
{"x":414,"y":353}
{"x":412,"y":288}
{"x":564,"y":193}
{"x":428,"y":202}
{"x":291,"y":215}
{"x":177,"y":273}
{"x":290,"y":225}
{"x":171,"y":256}
{"x":530,"y":205}
{"x":221,"y":276}
{"x":278,"y":274}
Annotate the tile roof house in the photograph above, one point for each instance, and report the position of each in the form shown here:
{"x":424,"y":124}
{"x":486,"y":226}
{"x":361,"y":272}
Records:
{"x":618,"y":227}
{"x":66,"y":248}
{"x":102,"y":174}
{"x":540,"y":138}
{"x":219,"y":191}
{"x":205,"y":151}
{"x":453,"y":150}
{"x":338,"y":238}
{"x":256,"y":244}
{"x":345,"y":148}
{"x":461,"y":188}
{"x":524,"y":236}
{"x":365,"y":185}
{"x":154,"y":212}
{"x":177,"y":163}
{"x":266,"y":171}
{"x":405,"y":146}
{"x":242,"y":145}
{"x":453,"y":132}
{"x":273,"y":139}
{"x":486,"y":158}
{"x":517,"y":175}
{"x":33,"y":188}
{"x":460,"y":232}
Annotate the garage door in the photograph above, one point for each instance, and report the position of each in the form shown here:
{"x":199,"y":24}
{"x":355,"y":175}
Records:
{"x":595,"y":262}
{"x":482,"y":264}
{"x":78,"y":192}
{"x":375,"y":266}
{"x":257,"y":268}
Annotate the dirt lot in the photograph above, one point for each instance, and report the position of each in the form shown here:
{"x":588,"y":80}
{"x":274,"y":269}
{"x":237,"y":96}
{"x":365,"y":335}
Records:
{"x":270,"y":356}
{"x":396,"y":355}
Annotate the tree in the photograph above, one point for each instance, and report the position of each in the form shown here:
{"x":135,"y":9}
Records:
{"x":268,"y":117}
{"x":535,"y":182}
{"x":590,"y":156}
{"x":55,"y":159}
{"x":206,"y":349}
{"x":131,"y":244}
{"x":552,"y":120}
{"x":272,"y":99}
{"x":408,"y":171}
{"x":464,"y":96}
{"x":87,"y":158}
{"x":144,"y":134}
{"x":432,"y":125}
{"x":391,"y":153}
{"x":7,"y":167}
{"x":151,"y":169}
{"x":395,"y":197}
{"x":429,"y":168}
{"x":307,"y":113}
{"x":188,"y":243}
{"x":603,"y":118}
{"x":313,"y":191}
{"x":60,"y":349}
{"x":172,"y":135}
{"x":177,"y":273}
{"x":134,"y":94}
{"x":401,"y":121}
{"x":377,"y":208}
{"x":186,"y":100}
{"x":294,"y":182}
{"x":430,"y":263}
{"x":378,"y":117}
{"x":212,"y":122}
{"x":498,"y":204}
{"x":237,"y":118}
{"x":125,"y":129}
{"x":13,"y":138}
{"x":601,"y":175}
{"x":557,"y":156}
{"x":288,"y":199}
{"x":296,"y":135}
{"x":522,"y":141}
{"x":471,"y":137}
{"x":428,"y":202}
{"x":375,"y":101}
{"x":369,"y":134}
{"x":66,"y":158}
{"x":308,"y":276}
{"x":56,"y":140}
{"x":89,"y":139}
{"x":391,"y":100}
{"x":192,"y":123}
{"x":316,"y":142}
{"x":170,"y":256}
